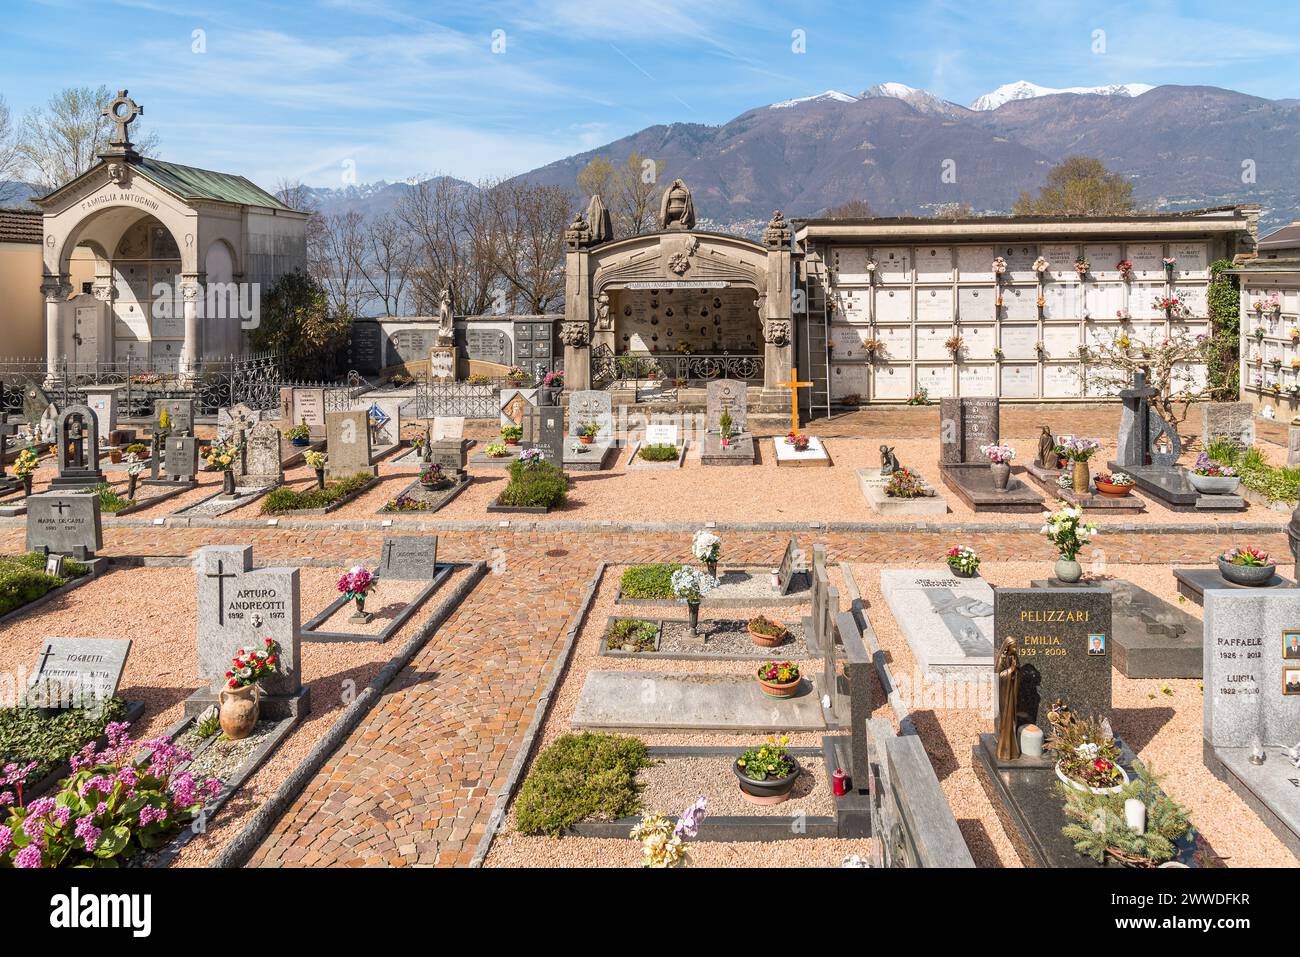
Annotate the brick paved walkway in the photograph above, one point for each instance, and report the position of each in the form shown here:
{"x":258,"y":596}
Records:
{"x":417,"y":780}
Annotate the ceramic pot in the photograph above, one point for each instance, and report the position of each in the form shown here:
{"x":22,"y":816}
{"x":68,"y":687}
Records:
{"x":1113,"y":491}
{"x":1081,"y":477}
{"x":1068,"y":570}
{"x":1080,"y":786}
{"x":767,"y":641}
{"x":237,"y":710}
{"x":770,"y":791}
{"x":300,"y":443}
{"x":1249,"y":575}
{"x":1214,"y":484}
{"x":115,"y":456}
{"x":1001,"y":475}
{"x":586,"y":439}
{"x":776,"y":689}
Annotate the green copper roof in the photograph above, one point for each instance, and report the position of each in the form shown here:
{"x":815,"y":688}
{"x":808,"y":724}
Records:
{"x":188,"y":182}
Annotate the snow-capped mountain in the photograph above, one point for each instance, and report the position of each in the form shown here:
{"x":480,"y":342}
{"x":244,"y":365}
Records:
{"x":922,"y":100}
{"x":830,"y":95}
{"x":1024,"y":90}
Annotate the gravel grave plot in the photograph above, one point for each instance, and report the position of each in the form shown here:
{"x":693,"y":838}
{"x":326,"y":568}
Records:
{"x":432,"y":498}
{"x":220,"y":506}
{"x":223,"y":759}
{"x":673,"y":784}
{"x":386,"y":602}
{"x":730,"y":637}
{"x":1159,"y":718}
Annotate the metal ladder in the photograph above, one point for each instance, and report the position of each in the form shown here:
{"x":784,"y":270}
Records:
{"x":814,"y":364}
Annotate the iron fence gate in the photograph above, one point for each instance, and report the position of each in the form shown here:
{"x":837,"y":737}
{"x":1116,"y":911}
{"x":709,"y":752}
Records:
{"x":472,"y":401}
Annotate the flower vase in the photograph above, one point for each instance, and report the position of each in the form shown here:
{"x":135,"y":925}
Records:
{"x":1081,"y":478}
{"x":131,"y":481}
{"x":711,"y":568}
{"x":361,"y":616}
{"x":693,"y":615}
{"x":320,"y":478}
{"x":1067,"y":570}
{"x":237,"y":710}
{"x":27,"y":485}
{"x":1001,"y":475}
{"x":228,"y":483}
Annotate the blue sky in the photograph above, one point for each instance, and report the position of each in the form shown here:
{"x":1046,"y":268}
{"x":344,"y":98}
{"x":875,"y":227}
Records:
{"x":382,"y":89}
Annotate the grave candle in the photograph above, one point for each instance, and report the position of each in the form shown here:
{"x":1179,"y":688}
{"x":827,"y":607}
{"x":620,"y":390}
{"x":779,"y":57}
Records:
{"x":839,"y":783}
{"x":1031,"y":741}
{"x":1135,"y":815}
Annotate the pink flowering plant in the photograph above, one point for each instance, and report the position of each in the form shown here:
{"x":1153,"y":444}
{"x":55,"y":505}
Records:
{"x":108,"y":810}
{"x":357,"y":582}
{"x":1247,"y":556}
{"x":998,"y":454}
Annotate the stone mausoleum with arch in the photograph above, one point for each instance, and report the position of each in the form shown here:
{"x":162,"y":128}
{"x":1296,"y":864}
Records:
{"x":180,"y":258}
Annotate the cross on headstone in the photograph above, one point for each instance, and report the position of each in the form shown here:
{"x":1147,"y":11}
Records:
{"x":60,"y":506}
{"x":122,"y":111}
{"x":45,"y":656}
{"x":794,"y":385}
{"x":221,"y":575}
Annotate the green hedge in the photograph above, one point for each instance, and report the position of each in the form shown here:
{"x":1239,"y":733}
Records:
{"x":649,"y":581}
{"x":109,"y":500}
{"x":23,"y":579}
{"x":658,"y":453}
{"x":285,"y":499}
{"x":541,"y":485}
{"x":581,"y":776}
{"x":26,"y":736}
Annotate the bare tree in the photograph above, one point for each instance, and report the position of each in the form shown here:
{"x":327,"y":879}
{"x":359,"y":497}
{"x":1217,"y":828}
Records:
{"x":62,"y":140}
{"x":449,"y":222}
{"x":527,"y":229}
{"x":387,"y":255}
{"x":855,"y":208}
{"x":11,"y":159}
{"x":631,"y":191}
{"x":342,"y":252}
{"x":296,"y":195}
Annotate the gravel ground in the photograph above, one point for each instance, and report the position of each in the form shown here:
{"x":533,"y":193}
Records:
{"x":223,"y":759}
{"x":729,"y":637}
{"x":385,"y":603}
{"x":155,"y":608}
{"x":1160,"y":719}
{"x":219,"y":506}
{"x":674,"y":783}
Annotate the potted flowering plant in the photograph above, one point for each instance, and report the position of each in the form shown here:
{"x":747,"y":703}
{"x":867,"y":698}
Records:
{"x":222,"y":456}
{"x":955,"y":344}
{"x":1114,"y":485}
{"x":1125,"y":268}
{"x":919,"y":397}
{"x":356,"y":583}
{"x":512,"y":434}
{"x":299,"y":435}
{"x":496,"y":450}
{"x":1246,"y":565}
{"x":531,"y":457}
{"x":1087,"y":753}
{"x":1079,"y":451}
{"x":963,"y":561}
{"x":797,"y":440}
{"x":726,"y":426}
{"x":1067,"y":530}
{"x":432,"y":477}
{"x":587,"y":432}
{"x":999,"y":457}
{"x":767,"y":773}
{"x":779,"y":679}
{"x":516,"y":375}
{"x":316,"y":462}
{"x":765,"y":632}
{"x":1213,"y":478}
{"x":25,"y":467}
{"x":706,"y":547}
{"x":690,"y":585}
{"x":238,"y":702}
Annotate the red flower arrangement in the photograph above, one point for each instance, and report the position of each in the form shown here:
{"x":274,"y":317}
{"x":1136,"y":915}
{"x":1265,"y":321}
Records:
{"x":251,"y":665}
{"x":800,"y":442}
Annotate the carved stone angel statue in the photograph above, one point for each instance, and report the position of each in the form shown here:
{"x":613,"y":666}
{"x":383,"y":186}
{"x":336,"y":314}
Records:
{"x":888,"y":460}
{"x":446,"y":320}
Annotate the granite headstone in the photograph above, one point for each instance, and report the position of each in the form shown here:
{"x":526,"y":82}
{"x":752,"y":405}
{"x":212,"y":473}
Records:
{"x":409,"y":558}
{"x":83,"y":667}
{"x":64,"y":524}
{"x":726,"y":395}
{"x":348,"y":444}
{"x":262,"y":455}
{"x":965,"y":424}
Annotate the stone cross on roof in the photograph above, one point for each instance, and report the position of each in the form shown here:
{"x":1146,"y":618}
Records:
{"x":122,"y":111}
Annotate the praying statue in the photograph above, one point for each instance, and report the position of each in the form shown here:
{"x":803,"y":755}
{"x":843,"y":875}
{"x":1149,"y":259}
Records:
{"x":1047,"y":457}
{"x":1008,"y":672}
{"x":446,"y":320}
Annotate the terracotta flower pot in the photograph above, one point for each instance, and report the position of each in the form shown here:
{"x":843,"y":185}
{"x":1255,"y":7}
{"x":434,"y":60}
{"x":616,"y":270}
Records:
{"x":237,"y":710}
{"x":1112,"y":491}
{"x":768,"y":641}
{"x":512,"y":441}
{"x":586,"y":439}
{"x":776,"y":689}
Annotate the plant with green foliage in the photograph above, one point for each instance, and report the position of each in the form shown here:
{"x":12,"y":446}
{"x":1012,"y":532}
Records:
{"x":581,"y":776}
{"x":649,"y":581}
{"x":632,"y":634}
{"x":284,"y":499}
{"x":109,"y":500}
{"x":658,"y":453}
{"x":1279,"y":483}
{"x":1223,"y":350}
{"x":300,"y":432}
{"x":536,"y":485}
{"x":23,"y":579}
{"x":1099,"y":829}
{"x":512,"y":433}
{"x":298,"y":324}
{"x":27,"y":735}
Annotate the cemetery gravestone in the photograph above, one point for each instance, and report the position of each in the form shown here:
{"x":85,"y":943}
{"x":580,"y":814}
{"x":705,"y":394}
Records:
{"x":181,"y":459}
{"x":385,"y":417}
{"x":1228,"y":422}
{"x":789,"y":566}
{"x":947,"y":621}
{"x":7,"y":428}
{"x":78,"y":449}
{"x":348,"y":445}
{"x":545,"y":425}
{"x":516,"y":404}
{"x":64,"y":525}
{"x":239,"y":607}
{"x":102,"y":400}
{"x":965,"y":424}
{"x":661,"y":433}
{"x":1252,"y":701}
{"x":448,"y":428}
{"x":180,"y":413}
{"x":236,"y":416}
{"x":409,"y":558}
{"x":82,"y":668}
{"x":728,"y":396}
{"x":262,"y":455}
{"x":35,"y":403}
{"x":442,"y":363}
{"x":1063,"y":636}
{"x":590,"y":407}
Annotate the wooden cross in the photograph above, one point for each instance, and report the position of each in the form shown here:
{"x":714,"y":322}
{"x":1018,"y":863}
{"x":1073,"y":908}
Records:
{"x":794,"y":385}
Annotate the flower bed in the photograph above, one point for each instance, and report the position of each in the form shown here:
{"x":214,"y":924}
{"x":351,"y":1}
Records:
{"x":642,"y":582}
{"x":283,"y":499}
{"x":581,"y":776}
{"x":27,"y":736}
{"x":23,"y":579}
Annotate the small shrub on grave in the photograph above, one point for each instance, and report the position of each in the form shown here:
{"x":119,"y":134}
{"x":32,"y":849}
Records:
{"x":109,"y":500}
{"x":536,"y":485}
{"x":762,"y":625}
{"x":649,"y":581}
{"x":581,"y":776}
{"x":23,"y":579}
{"x":285,"y":499}
{"x":25,"y":735}
{"x":137,"y":449}
{"x":658,"y":453}
{"x":632,"y":634}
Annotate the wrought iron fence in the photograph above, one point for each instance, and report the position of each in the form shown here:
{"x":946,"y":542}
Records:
{"x":471,"y":400}
{"x":660,"y":371}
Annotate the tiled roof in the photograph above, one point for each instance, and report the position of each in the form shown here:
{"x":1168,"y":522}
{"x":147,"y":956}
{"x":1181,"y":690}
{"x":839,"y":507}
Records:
{"x":20,"y":226}
{"x":1288,"y":237}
